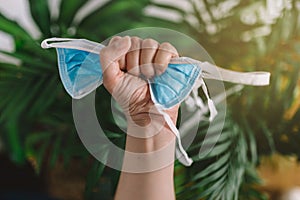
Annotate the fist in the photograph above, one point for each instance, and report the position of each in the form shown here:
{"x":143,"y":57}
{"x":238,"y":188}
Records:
{"x":127,"y":63}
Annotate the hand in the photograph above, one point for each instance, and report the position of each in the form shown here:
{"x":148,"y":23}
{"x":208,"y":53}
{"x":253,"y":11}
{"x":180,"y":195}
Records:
{"x":124,"y":61}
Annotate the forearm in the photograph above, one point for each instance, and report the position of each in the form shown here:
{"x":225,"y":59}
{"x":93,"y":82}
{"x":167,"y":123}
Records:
{"x":156,"y":162}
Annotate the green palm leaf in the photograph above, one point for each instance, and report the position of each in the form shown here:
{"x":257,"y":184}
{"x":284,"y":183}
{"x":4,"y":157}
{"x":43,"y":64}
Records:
{"x":41,"y":15}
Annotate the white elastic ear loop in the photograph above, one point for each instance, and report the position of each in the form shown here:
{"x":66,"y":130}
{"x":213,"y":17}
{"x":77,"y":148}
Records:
{"x":180,"y":152}
{"x":210,"y":71}
{"x":69,"y":43}
{"x":211,"y":106}
{"x":258,"y":78}
{"x":46,"y":45}
{"x":197,"y":98}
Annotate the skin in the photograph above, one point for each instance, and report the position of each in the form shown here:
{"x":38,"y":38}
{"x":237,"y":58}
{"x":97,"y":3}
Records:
{"x":123,"y":62}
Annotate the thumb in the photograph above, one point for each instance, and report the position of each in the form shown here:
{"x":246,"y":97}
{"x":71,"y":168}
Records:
{"x":109,"y":57}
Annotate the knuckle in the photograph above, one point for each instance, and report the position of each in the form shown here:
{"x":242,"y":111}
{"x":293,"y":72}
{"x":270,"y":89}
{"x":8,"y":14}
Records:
{"x":135,"y":43}
{"x":166,"y":46}
{"x":136,"y":39}
{"x":115,"y":38}
{"x":149,"y":43}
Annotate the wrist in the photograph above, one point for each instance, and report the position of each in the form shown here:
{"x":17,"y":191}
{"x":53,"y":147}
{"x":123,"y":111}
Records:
{"x":162,"y":138}
{"x":143,"y":155}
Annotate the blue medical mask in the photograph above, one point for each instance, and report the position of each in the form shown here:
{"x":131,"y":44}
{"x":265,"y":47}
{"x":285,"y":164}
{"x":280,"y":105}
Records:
{"x":81,"y":73}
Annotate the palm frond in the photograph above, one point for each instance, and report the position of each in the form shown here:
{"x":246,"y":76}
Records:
{"x":41,"y":15}
{"x":218,"y":172}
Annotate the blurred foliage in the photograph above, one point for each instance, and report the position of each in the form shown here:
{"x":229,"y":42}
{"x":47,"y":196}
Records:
{"x":36,"y":120}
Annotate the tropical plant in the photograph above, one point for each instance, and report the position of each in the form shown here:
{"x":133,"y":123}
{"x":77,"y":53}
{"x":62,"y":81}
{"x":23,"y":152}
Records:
{"x":258,"y":116}
{"x":36,"y":120}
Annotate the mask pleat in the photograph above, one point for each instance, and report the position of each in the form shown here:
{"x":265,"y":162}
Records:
{"x":175,"y":84}
{"x":74,"y":59}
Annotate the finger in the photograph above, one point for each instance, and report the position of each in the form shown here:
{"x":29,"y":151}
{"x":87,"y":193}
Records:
{"x":133,"y":57}
{"x":114,"y":39}
{"x":165,"y":52}
{"x":148,"y":51}
{"x":121,"y":62}
{"x":109,"y":58}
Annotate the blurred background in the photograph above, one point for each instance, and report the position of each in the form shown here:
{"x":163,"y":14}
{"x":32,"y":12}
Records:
{"x":257,"y":155}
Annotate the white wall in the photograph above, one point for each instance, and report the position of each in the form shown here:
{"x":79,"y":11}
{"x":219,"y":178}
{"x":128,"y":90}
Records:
{"x":17,"y":10}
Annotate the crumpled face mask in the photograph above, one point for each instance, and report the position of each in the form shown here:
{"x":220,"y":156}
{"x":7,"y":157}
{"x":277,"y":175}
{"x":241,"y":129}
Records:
{"x":80,"y":72}
{"x":80,"y":79}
